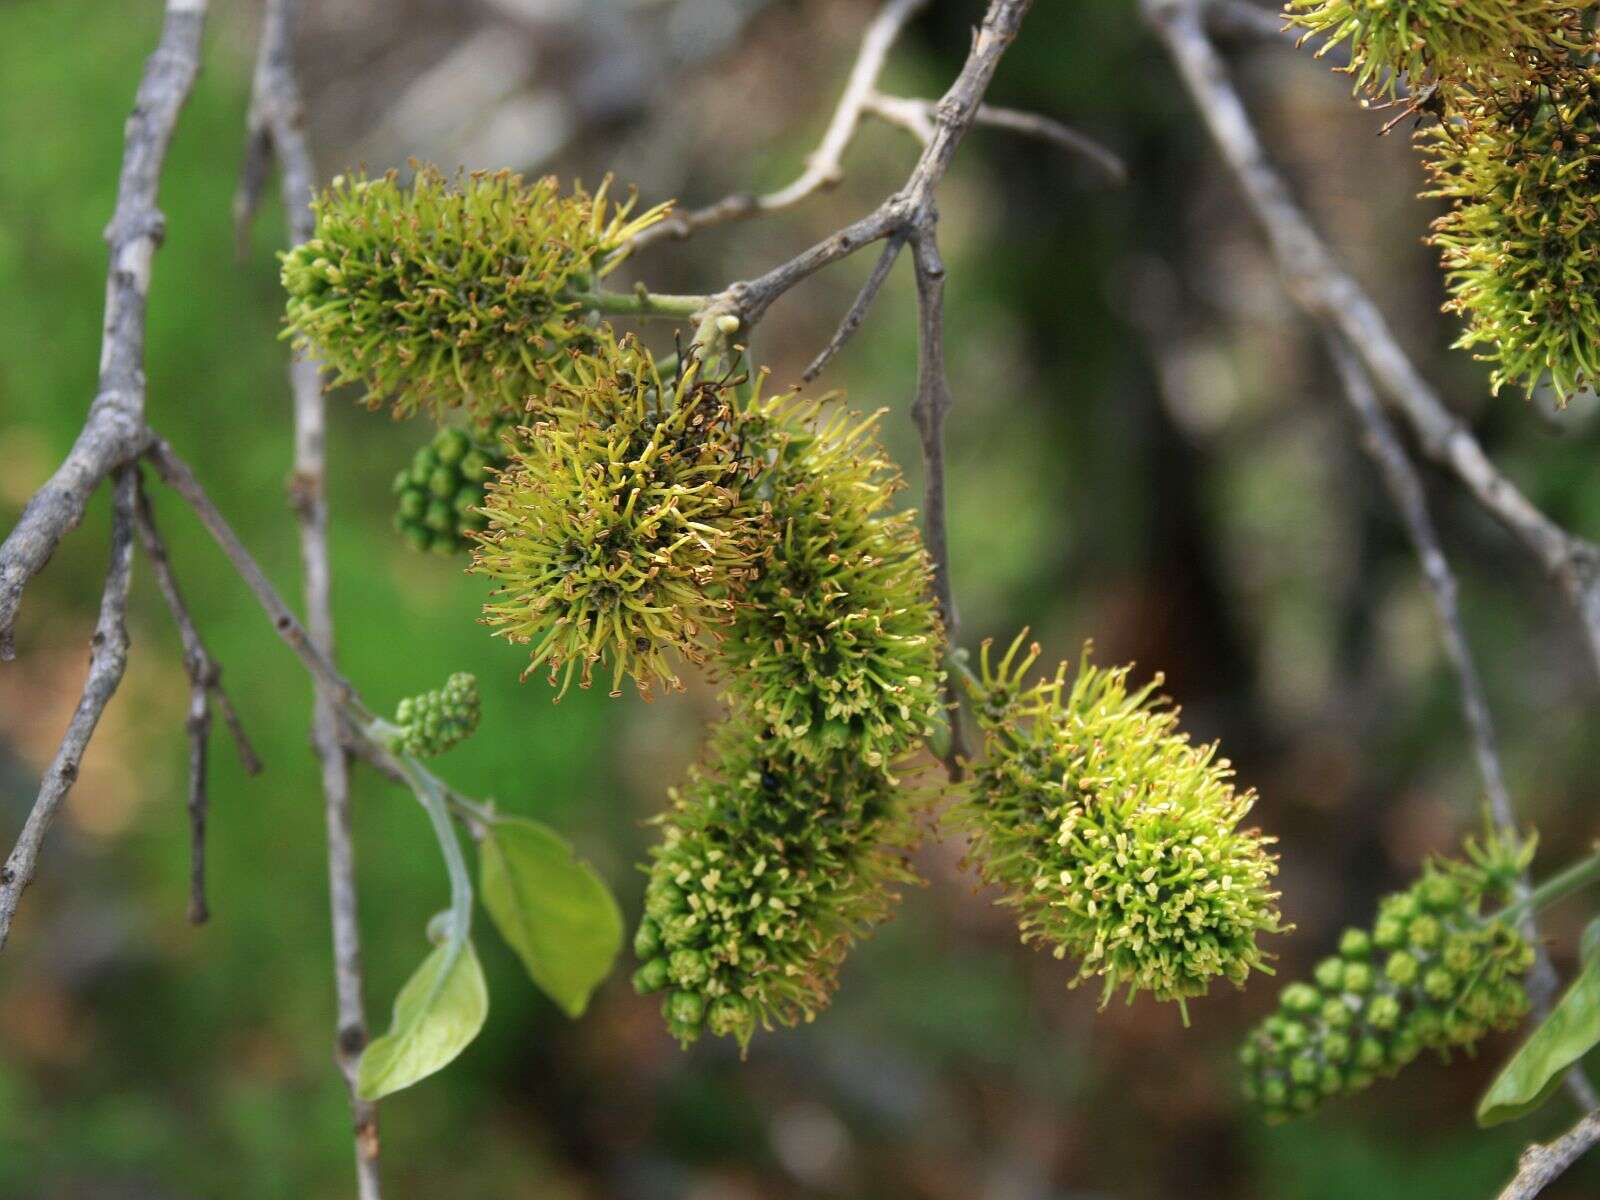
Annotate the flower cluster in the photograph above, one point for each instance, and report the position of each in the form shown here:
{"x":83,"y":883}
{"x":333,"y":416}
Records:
{"x":440,"y":294}
{"x":769,"y":866}
{"x":1114,"y":837}
{"x":788,"y":843}
{"x":836,"y":643}
{"x":1514,"y":86}
{"x":436,"y":721}
{"x":1520,"y":244}
{"x":1431,"y":974}
{"x":1425,"y":43}
{"x":613,"y":529}
{"x":438,"y":498}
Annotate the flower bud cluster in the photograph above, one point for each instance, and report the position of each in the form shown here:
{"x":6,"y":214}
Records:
{"x":1431,"y":974}
{"x":1114,"y":837}
{"x":442,"y":294}
{"x":614,"y":529}
{"x":836,"y":643}
{"x":436,"y":721}
{"x":1426,"y":44}
{"x":1520,"y":244}
{"x":769,"y":866}
{"x":788,"y":843}
{"x":439,"y":497}
{"x":1516,"y":93}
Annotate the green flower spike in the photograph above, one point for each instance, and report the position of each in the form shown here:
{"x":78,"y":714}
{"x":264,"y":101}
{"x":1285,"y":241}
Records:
{"x":441,"y":294}
{"x":612,"y":529}
{"x":1114,"y":837}
{"x":1431,"y":974}
{"x":1425,"y":42}
{"x":1520,"y":245}
{"x":769,"y":867}
{"x":438,"y":497}
{"x":836,"y":643}
{"x":429,"y":724}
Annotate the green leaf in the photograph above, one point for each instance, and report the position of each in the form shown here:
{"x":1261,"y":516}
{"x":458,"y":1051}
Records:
{"x":436,"y":1015}
{"x":554,"y":910}
{"x":1534,"y":1072}
{"x":1590,"y":942}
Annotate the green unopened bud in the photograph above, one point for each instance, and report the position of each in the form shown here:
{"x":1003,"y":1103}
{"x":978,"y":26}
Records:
{"x":429,"y":724}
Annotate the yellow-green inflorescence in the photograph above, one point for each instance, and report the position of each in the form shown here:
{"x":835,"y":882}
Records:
{"x":788,"y":842}
{"x":1520,"y":244}
{"x":1115,"y":838}
{"x":439,"y":294}
{"x":439,"y":497}
{"x":1432,"y":973}
{"x":836,"y":643}
{"x":769,"y":867}
{"x":614,"y":529}
{"x":436,"y":721}
{"x":1419,"y":44}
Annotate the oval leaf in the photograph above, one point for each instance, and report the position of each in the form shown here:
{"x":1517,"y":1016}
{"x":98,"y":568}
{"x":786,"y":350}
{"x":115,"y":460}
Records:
{"x":554,"y":910}
{"x":436,"y":1015}
{"x":1570,"y":1031}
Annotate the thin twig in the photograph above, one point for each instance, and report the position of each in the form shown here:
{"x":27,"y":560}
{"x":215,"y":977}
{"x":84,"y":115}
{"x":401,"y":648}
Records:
{"x":276,"y":129}
{"x":1333,"y":299}
{"x":355,"y":714}
{"x":1542,"y":1165}
{"x":205,"y":689}
{"x":858,"y":310}
{"x":916,"y":117}
{"x":1399,"y":474}
{"x":928,"y":410}
{"x":824,"y":167}
{"x":108,"y":657}
{"x":113,"y":432}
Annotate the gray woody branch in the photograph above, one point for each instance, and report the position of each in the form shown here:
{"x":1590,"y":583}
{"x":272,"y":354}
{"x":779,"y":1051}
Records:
{"x":114,"y":432}
{"x":205,"y":692}
{"x":276,"y":130}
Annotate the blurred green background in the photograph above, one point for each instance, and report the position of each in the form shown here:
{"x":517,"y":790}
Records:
{"x":1147,"y":450}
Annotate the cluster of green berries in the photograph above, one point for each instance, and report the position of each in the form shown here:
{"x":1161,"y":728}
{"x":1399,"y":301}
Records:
{"x":438,"y":295}
{"x":1431,"y":974}
{"x":1114,"y":837}
{"x":428,"y":725}
{"x":439,"y":497}
{"x":615,"y":530}
{"x":1520,"y":244}
{"x":769,"y":867}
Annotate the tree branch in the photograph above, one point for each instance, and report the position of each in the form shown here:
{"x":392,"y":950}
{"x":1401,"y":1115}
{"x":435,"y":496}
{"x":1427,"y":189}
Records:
{"x":108,"y":657}
{"x":205,"y":689}
{"x":1541,"y":1165}
{"x":916,"y":117}
{"x":114,"y":432}
{"x":824,"y":166}
{"x":276,"y":127}
{"x":858,"y":310}
{"x":932,"y":404}
{"x":1334,"y":300}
